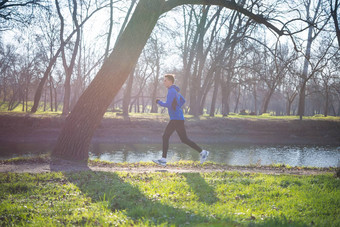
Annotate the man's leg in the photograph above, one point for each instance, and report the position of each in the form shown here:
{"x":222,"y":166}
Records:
{"x":180,"y":129}
{"x":170,"y":128}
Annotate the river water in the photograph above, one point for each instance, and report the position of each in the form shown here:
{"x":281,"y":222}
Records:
{"x":312,"y":156}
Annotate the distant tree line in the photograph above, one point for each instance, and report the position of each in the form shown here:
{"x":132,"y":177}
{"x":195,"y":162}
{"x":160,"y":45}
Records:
{"x":224,"y":62}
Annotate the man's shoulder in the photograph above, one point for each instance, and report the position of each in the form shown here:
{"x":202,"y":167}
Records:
{"x":172,"y":90}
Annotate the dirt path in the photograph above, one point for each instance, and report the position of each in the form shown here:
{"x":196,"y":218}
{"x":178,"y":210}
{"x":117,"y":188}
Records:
{"x":26,"y":167}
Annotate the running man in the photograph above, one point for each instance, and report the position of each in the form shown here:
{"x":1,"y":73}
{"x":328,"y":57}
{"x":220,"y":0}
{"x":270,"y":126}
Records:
{"x":174,"y":102}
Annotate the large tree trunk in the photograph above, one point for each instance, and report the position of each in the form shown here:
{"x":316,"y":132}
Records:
{"x":237,"y":101}
{"x":267,"y":100}
{"x":75,"y":137}
{"x":67,"y":95}
{"x":302,"y":98}
{"x":226,"y":90}
{"x":288,"y":108}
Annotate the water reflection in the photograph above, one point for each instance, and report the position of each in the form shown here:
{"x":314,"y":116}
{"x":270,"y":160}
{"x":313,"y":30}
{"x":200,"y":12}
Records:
{"x":315,"y":156}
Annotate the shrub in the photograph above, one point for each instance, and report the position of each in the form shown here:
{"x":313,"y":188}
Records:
{"x":243,"y":112}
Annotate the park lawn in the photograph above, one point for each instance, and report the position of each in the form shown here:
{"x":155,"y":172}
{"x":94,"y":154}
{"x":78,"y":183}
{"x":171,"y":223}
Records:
{"x":109,"y":114}
{"x":157,"y":116}
{"x":163,"y":198}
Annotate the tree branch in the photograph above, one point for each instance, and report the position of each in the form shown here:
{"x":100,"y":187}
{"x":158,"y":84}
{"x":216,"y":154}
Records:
{"x":4,"y":6}
{"x":230,"y":4}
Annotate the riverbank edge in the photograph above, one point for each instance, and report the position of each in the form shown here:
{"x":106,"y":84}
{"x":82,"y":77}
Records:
{"x":44,"y":163}
{"x":20,"y":128}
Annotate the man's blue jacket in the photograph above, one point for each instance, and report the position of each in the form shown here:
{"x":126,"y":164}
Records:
{"x":174,"y":102}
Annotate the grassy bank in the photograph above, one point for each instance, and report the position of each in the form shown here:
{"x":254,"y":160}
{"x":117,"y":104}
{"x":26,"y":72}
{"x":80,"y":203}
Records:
{"x":267,"y":116}
{"x":148,"y":199}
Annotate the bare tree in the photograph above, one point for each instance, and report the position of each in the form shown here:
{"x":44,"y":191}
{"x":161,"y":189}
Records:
{"x":201,"y":56}
{"x":327,"y":82}
{"x":16,"y":73}
{"x":157,"y":52}
{"x":274,"y":73}
{"x":68,"y":67}
{"x":207,"y":75}
{"x":290,"y":88}
{"x":238,"y":28}
{"x":54,"y":58}
{"x":143,"y":72}
{"x":8,"y":59}
{"x":189,"y":46}
{"x":329,"y":78}
{"x":313,"y":18}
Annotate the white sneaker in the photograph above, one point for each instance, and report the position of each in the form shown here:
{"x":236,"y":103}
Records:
{"x":161,"y":162}
{"x":204,"y":155}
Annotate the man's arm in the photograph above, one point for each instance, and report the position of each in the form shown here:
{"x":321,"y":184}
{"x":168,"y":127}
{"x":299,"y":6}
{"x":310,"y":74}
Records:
{"x":169,"y":98}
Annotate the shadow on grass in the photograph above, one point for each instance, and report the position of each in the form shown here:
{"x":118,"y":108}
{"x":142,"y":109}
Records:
{"x":202,"y":189}
{"x":122,"y":196}
{"x":116,"y":194}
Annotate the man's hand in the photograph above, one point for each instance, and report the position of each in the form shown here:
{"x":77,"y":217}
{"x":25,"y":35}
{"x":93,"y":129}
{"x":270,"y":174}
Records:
{"x":157,"y":101}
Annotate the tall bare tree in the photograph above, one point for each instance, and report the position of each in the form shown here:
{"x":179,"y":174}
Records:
{"x":54,"y":58}
{"x":313,"y":18}
{"x":238,"y":28}
{"x":274,"y":73}
{"x":157,"y":52}
{"x":290,"y":87}
{"x":196,"y":76}
{"x":68,"y":67}
{"x":189,"y":45}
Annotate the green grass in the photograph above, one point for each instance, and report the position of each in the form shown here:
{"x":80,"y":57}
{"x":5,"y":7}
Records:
{"x":150,"y":199}
{"x":184,"y":164}
{"x":18,"y":108}
{"x":271,"y":117}
{"x":267,"y":116}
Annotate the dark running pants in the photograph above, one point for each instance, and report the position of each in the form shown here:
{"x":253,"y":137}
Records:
{"x":177,"y":125}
